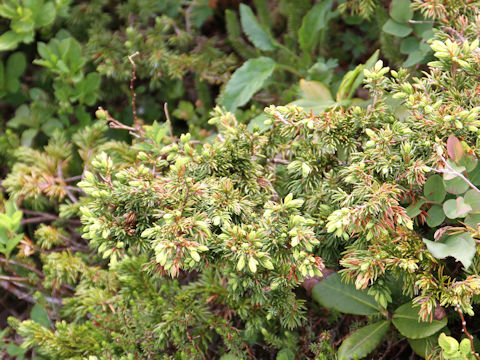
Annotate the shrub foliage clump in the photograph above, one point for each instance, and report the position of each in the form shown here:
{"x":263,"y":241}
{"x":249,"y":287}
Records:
{"x":161,"y":246}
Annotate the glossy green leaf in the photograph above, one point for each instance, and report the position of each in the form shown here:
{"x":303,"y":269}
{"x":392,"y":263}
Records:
{"x":396,"y":29}
{"x":456,"y":208}
{"x":255,"y":33}
{"x":460,"y":246}
{"x":313,"y":22}
{"x":10,"y":40}
{"x":435,"y":216}
{"x":423,"y":347}
{"x":401,"y":11}
{"x":406,"y":320}
{"x":434,"y":189}
{"x":246,"y":81}
{"x":332,"y":293}
{"x":363,"y":341}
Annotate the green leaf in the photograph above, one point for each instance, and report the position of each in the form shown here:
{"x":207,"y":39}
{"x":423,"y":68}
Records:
{"x":16,"y":64}
{"x":456,"y":185}
{"x":353,"y":79}
{"x":313,"y":22}
{"x":423,"y":28}
{"x":469,"y":162}
{"x":396,"y":29}
{"x":285,"y":354}
{"x":363,"y":341}
{"x":401,"y":11}
{"x":10,"y":40}
{"x":46,"y":15}
{"x":434,"y":189}
{"x":414,"y":58}
{"x":332,"y":293}
{"x":423,"y":347}
{"x":406,"y":320}
{"x":435,"y":216}
{"x":414,"y":209}
{"x":255,"y":33}
{"x":447,"y":343}
{"x":409,"y":45}
{"x":460,"y":246}
{"x":472,"y":198}
{"x":246,"y":81}
{"x":456,"y":208}
{"x":474,"y":175}
{"x":472,"y":220}
{"x":315,"y":90}
{"x":39,"y":315}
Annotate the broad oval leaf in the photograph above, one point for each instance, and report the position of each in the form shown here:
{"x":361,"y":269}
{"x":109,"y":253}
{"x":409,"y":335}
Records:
{"x":255,"y":33}
{"x":409,"y":45}
{"x":363,"y":341}
{"x":423,"y":347}
{"x":456,"y":208}
{"x":460,"y":246}
{"x":246,"y":81}
{"x":474,"y":175}
{"x":396,"y":29}
{"x":401,"y":11}
{"x":406,"y":320}
{"x":9,"y":40}
{"x":332,"y":293}
{"x":434,"y":189}
{"x":472,"y":220}
{"x":456,"y":185}
{"x":472,"y":198}
{"x":435,"y":216}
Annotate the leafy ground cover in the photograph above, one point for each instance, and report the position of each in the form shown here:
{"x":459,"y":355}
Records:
{"x":309,"y":192}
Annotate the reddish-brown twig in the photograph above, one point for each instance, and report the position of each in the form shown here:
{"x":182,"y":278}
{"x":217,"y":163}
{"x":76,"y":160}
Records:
{"x":132,"y":88}
{"x":464,"y":329}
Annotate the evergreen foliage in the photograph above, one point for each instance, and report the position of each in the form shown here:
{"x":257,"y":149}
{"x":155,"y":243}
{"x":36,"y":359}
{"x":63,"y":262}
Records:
{"x":217,"y":244}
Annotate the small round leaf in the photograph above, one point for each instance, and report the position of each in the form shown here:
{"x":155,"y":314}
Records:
{"x":434,"y":189}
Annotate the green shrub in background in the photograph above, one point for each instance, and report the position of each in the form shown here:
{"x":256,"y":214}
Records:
{"x":192,"y":248}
